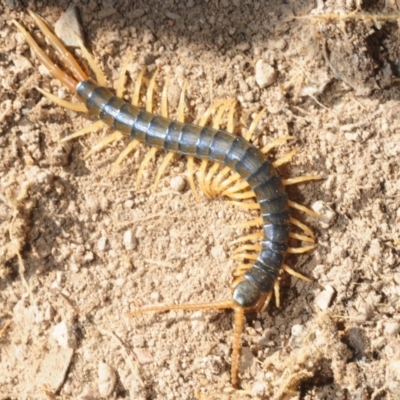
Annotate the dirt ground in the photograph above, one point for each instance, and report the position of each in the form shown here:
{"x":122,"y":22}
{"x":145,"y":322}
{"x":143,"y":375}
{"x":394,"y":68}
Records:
{"x":79,"y":249}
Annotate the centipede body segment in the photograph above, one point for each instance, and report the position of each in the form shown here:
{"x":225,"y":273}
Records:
{"x":255,"y":283}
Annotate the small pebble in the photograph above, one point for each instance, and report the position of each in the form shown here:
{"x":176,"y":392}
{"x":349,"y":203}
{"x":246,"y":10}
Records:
{"x":218,"y":253}
{"x":143,"y":356}
{"x":327,"y":213}
{"x":393,"y":378}
{"x":102,"y":243}
{"x":178,"y":183}
{"x":324,"y":299}
{"x":129,"y":240}
{"x":107,"y":12}
{"x":258,"y":389}
{"x":107,"y":379}
{"x":244,"y":46}
{"x":64,"y":335}
{"x":265,"y":74}
{"x":67,"y":28}
{"x":391,"y":328}
{"x":129,"y":204}
{"x":139,"y":12}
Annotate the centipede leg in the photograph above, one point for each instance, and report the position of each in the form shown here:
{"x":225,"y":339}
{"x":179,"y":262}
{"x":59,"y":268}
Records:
{"x":180,"y":117}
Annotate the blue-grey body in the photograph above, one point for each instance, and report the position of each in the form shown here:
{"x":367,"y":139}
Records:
{"x":215,"y":145}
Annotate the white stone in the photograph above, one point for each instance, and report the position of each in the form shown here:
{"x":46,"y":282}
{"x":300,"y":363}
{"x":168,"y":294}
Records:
{"x":68,"y":29}
{"x":265,"y":74}
{"x":64,"y":336}
{"x":106,"y":379}
{"x":129,"y":240}
{"x":102,"y":243}
{"x":178,"y":183}
{"x":324,"y":299}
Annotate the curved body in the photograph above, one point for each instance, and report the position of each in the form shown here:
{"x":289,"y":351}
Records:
{"x":215,"y":145}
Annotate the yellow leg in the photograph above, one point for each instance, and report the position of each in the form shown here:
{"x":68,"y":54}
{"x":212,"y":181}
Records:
{"x":302,"y":226}
{"x":241,"y":269}
{"x":254,"y":124}
{"x":241,"y":195}
{"x":300,"y":250}
{"x":78,"y":107}
{"x":277,"y":293}
{"x":245,"y":256}
{"x":267,"y":148}
{"x":247,"y":238}
{"x":103,"y":143}
{"x":100,"y":77}
{"x":248,"y":224}
{"x":303,"y":238}
{"x":245,"y":247}
{"x":300,"y":179}
{"x":190,"y":167}
{"x":162,"y":168}
{"x":245,"y":206}
{"x":91,"y":128}
{"x":220,"y":107}
{"x":128,"y":149}
{"x":150,"y":154}
{"x":306,"y":210}
{"x":296,"y":274}
{"x":285,"y":159}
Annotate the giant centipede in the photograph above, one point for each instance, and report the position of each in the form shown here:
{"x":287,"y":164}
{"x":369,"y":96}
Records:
{"x":253,"y":289}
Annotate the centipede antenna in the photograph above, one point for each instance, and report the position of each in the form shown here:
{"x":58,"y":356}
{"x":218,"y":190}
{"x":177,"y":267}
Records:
{"x":66,"y":57}
{"x":54,"y":70}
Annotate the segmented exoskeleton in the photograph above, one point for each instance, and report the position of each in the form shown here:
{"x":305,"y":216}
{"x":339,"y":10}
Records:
{"x":235,"y":152}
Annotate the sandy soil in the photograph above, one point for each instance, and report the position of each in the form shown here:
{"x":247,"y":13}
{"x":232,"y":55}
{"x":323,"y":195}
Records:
{"x":93,"y":247}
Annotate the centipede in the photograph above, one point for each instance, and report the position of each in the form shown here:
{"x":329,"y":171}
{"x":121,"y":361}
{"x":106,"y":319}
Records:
{"x":245,"y":172}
